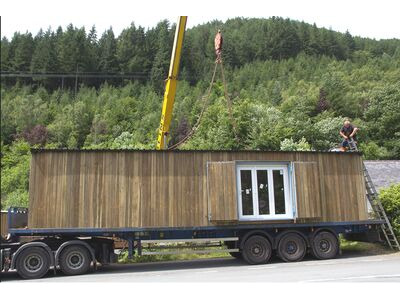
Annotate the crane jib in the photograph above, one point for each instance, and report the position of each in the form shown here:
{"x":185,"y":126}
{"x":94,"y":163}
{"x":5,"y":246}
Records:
{"x":170,"y":86}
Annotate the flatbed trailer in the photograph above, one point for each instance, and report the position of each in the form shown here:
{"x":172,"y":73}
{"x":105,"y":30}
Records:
{"x":251,"y":204}
{"x":77,"y":250}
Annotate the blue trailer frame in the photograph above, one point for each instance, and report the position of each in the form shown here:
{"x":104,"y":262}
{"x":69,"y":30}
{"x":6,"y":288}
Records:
{"x":235,"y":237}
{"x":136,"y":234}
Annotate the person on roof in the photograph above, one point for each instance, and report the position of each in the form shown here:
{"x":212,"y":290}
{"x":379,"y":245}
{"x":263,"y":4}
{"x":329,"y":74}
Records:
{"x":218,"y":46}
{"x":348,"y":132}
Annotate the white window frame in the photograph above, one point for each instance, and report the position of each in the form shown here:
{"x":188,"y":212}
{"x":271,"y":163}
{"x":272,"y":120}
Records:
{"x":287,"y":193}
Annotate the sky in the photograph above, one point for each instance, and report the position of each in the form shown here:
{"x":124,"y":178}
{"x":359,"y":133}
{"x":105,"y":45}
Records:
{"x":373,"y":19}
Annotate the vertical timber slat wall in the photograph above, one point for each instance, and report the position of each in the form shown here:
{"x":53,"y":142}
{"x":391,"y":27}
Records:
{"x":166,"y":188}
{"x":222,"y":198}
{"x":4,"y":223}
{"x":308,"y":192}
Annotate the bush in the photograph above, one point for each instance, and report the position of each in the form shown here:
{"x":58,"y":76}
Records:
{"x":390,"y":198}
{"x":372,"y":151}
{"x":15,"y":174}
{"x":290,"y":145}
{"x":19,"y":198}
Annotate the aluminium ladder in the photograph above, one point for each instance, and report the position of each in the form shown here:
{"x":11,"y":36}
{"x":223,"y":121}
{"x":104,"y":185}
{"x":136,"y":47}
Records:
{"x":386,"y":227}
{"x":376,"y":204}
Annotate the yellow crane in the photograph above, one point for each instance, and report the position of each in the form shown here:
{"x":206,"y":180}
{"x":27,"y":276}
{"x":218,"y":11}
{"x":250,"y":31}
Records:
{"x":170,"y":85}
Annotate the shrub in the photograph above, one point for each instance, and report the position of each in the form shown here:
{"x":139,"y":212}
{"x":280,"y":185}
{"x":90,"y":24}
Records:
{"x":390,"y":198}
{"x":372,"y":151}
{"x":290,"y":145}
{"x":15,"y":174}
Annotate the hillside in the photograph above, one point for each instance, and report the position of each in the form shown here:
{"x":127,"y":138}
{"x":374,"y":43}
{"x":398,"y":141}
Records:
{"x":292,"y":84}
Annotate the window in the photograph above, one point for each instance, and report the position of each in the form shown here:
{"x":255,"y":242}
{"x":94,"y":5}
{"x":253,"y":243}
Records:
{"x":263,"y":192}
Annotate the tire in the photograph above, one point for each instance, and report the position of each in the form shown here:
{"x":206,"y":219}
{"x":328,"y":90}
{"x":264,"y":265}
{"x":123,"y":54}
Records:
{"x":325,"y":245}
{"x":74,"y":260}
{"x":292,"y":247}
{"x":33,"y":263}
{"x":256,"y":250}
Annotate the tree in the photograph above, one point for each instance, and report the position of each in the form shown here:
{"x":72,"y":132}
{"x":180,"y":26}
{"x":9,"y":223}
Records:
{"x":372,"y":151}
{"x":326,"y":132}
{"x":131,"y":50}
{"x":91,"y":50}
{"x":62,"y":128}
{"x":107,"y":52}
{"x":21,"y":48}
{"x":159,"y":70}
{"x":44,"y":58}
{"x":5,"y":53}
{"x":38,"y":135}
{"x":15,"y":174}
{"x":290,"y":145}
{"x":72,"y":50}
{"x":383,"y":117}
{"x":349,"y":42}
{"x":283,"y":41}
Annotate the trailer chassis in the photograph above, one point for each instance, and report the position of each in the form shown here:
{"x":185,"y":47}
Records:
{"x":68,"y":248}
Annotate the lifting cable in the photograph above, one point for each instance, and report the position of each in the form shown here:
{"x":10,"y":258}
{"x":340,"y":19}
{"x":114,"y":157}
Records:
{"x":205,"y":104}
{"x":229,"y":102}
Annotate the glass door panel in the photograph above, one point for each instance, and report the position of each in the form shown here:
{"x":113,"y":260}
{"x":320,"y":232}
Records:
{"x":263,"y":192}
{"x":279,"y":192}
{"x":246,"y":192}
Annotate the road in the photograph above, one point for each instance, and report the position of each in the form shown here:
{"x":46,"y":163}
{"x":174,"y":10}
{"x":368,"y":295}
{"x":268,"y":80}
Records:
{"x":376,"y":268}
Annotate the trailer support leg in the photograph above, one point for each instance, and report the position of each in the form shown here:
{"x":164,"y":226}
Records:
{"x":139,"y":247}
{"x":130,"y":248}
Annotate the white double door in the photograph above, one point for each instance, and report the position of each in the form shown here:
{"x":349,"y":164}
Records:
{"x":263,"y":193}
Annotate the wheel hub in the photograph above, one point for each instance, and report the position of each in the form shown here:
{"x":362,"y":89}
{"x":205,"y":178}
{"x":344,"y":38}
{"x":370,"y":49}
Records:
{"x":291,"y":247}
{"x":33,"y":263}
{"x":75,"y":260}
{"x":257,"y":250}
{"x":324,"y":245}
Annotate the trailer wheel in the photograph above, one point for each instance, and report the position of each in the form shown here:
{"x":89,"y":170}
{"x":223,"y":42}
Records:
{"x":292,"y":247}
{"x":325,"y":245}
{"x":33,"y":263}
{"x":74,"y":260}
{"x":257,"y":250}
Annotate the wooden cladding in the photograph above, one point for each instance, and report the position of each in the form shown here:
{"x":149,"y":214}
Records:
{"x":222,"y":199}
{"x":308,"y":192}
{"x":172,"y":188}
{"x":3,"y":223}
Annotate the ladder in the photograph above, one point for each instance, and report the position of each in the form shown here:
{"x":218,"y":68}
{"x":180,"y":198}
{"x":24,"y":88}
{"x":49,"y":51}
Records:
{"x":352,"y":144}
{"x":379,"y":211}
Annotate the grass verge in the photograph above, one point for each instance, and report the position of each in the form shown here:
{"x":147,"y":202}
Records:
{"x":351,"y":247}
{"x":347,"y":247}
{"x":169,"y":257}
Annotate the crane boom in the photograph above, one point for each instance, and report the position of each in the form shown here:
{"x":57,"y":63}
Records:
{"x":170,"y":86}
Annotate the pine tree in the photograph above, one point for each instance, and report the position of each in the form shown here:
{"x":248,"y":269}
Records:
{"x":22,"y":45}
{"x":67,"y":49}
{"x":159,"y":70}
{"x":131,"y":50}
{"x":44,"y":58}
{"x":349,"y":43}
{"x":5,"y":53}
{"x":107,"y":52}
{"x":91,"y":50}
